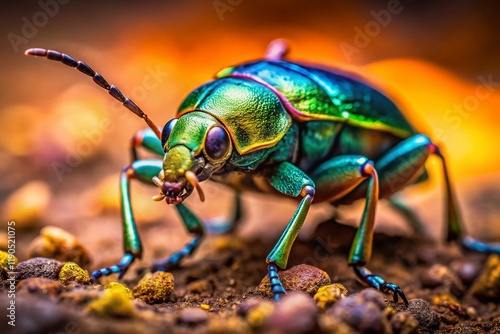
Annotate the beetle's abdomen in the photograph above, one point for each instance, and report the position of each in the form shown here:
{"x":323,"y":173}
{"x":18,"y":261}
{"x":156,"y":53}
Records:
{"x":317,"y":94}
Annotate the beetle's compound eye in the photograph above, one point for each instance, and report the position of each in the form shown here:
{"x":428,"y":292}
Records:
{"x":216,"y":143}
{"x":166,"y":131}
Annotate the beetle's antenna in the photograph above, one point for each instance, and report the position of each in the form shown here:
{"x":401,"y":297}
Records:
{"x":98,"y":79}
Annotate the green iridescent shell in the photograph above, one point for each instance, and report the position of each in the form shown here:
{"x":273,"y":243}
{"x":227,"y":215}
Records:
{"x":253,"y":114}
{"x":316,"y":94}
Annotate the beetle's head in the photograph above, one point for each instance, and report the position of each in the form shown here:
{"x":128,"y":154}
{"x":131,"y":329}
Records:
{"x":196,"y":145}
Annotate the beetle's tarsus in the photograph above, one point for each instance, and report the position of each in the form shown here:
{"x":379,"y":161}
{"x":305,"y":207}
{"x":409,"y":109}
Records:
{"x":277,"y":288}
{"x":396,"y":291}
{"x":120,"y":269}
{"x":377,"y":282}
{"x":176,"y":257}
{"x":479,"y":246}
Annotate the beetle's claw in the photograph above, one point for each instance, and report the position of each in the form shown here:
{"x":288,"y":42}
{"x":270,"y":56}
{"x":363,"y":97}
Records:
{"x":395,"y":290}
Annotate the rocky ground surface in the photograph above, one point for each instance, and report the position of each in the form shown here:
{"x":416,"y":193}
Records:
{"x":222,"y":290}
{"x":65,"y":230}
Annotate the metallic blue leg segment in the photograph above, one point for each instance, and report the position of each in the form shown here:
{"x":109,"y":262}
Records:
{"x":479,"y":246}
{"x":377,"y":282}
{"x":276,"y":287}
{"x":175,"y":258}
{"x":118,"y":268}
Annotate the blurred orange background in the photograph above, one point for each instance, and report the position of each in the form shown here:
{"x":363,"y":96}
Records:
{"x":439,"y":60}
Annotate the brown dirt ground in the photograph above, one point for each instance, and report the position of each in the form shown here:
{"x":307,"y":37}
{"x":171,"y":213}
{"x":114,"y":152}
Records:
{"x":226,"y":270}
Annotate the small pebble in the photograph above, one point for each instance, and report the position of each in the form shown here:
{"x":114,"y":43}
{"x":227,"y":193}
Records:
{"x":40,"y":285}
{"x":427,"y":319}
{"x":155,"y":288}
{"x":404,"y":323}
{"x":114,"y":303}
{"x":56,"y":243}
{"x":449,"y":302}
{"x":487,"y":285}
{"x":71,"y":272}
{"x":466,"y":270}
{"x":27,"y":205}
{"x":442,"y":278}
{"x":303,"y":277}
{"x":7,"y":259}
{"x":258,"y":311}
{"x":364,"y":312}
{"x":249,"y":304}
{"x":193,"y":316}
{"x":295,"y":313}
{"x":39,"y":267}
{"x":119,"y":286}
{"x":327,"y":295}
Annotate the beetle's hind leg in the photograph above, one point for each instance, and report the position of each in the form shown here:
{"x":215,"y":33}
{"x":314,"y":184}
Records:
{"x":455,"y":228}
{"x":403,"y":164}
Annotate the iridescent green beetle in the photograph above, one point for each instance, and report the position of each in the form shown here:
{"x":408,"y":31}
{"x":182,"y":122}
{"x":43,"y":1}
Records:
{"x":280,"y":127}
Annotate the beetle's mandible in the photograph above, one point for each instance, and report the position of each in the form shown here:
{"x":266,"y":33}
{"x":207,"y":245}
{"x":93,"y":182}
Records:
{"x":281,"y":127}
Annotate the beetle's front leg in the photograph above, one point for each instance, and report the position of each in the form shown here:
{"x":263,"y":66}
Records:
{"x":290,"y":180}
{"x":142,"y":170}
{"x":147,"y":139}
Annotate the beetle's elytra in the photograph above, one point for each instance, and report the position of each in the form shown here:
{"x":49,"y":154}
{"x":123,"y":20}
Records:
{"x":280,"y":127}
